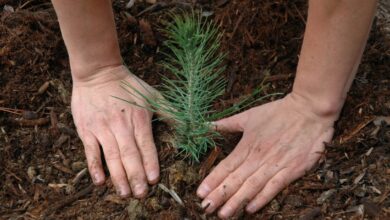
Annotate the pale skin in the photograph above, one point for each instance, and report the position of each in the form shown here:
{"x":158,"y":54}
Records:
{"x":281,"y":140}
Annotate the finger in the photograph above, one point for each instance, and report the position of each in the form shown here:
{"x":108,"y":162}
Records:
{"x":248,"y":190}
{"x":130,"y":158}
{"x":113,"y":160}
{"x":92,"y":153}
{"x":272,"y":188}
{"x":231,"y":124}
{"x":229,"y":186}
{"x":144,"y":139}
{"x":225,"y":167}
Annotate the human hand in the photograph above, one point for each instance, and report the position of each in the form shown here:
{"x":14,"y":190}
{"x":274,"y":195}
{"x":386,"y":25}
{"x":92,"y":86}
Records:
{"x":123,"y":130}
{"x":281,"y":141}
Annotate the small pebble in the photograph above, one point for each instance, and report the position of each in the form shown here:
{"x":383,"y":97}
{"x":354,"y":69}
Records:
{"x":294,"y":201}
{"x":45,"y":140}
{"x":135,"y":209}
{"x":154,"y":204}
{"x":31,"y":172}
{"x":78,"y":165}
{"x":29,"y":115}
{"x":69,"y":189}
{"x":325,"y":196}
{"x":43,"y":88}
{"x":275,"y":206}
{"x":360,"y":192}
{"x":165,"y":202}
{"x":48,"y":170}
{"x":372,"y":166}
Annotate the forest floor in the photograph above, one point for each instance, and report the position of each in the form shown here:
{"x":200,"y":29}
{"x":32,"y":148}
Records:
{"x":42,"y":164}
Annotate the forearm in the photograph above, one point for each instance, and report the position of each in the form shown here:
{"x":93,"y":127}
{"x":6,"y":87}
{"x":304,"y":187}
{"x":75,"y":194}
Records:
{"x":88,"y":29}
{"x":335,"y":37}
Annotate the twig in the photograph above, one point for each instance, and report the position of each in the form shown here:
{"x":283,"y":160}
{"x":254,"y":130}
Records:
{"x":172,"y":193}
{"x":11,"y":110}
{"x":157,"y":6}
{"x":348,"y":136}
{"x":236,"y":26}
{"x":300,"y":14}
{"x":68,"y":200}
{"x":278,"y":77}
{"x":33,"y":122}
{"x":79,"y":176}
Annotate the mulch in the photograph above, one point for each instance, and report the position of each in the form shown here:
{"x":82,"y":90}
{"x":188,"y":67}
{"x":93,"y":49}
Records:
{"x":42,"y":164}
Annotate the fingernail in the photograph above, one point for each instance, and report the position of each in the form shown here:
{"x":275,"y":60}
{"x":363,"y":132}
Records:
{"x":226,"y":211}
{"x":203,"y":190}
{"x":152,"y":176}
{"x":118,"y":192}
{"x":122,"y":192}
{"x":139,"y":189}
{"x":214,"y":125}
{"x":205,"y":204}
{"x":97,"y":179}
{"x":251,"y":208}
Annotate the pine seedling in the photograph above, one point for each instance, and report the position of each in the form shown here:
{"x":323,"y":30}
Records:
{"x":187,"y":97}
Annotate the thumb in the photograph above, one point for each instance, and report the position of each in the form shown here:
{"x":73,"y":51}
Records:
{"x":233,"y":123}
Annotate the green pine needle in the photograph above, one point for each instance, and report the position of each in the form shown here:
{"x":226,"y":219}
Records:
{"x":187,"y":99}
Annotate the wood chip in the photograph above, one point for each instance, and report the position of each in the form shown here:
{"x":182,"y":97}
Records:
{"x":57,"y":185}
{"x":29,"y":115}
{"x":151,"y":1}
{"x":209,"y":162}
{"x":43,"y":88}
{"x":61,"y":140}
{"x":221,"y":3}
{"x":378,"y":120}
{"x":33,"y":122}
{"x":130,"y":4}
{"x":147,"y":34}
{"x":67,"y":200}
{"x":369,"y":151}
{"x":62,"y":168}
{"x":360,"y":177}
{"x":348,"y":136}
{"x":115,"y":199}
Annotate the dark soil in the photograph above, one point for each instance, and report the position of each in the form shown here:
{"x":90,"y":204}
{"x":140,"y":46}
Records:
{"x":42,"y":162}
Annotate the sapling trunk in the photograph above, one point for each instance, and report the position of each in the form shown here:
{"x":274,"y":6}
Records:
{"x":187,"y":98}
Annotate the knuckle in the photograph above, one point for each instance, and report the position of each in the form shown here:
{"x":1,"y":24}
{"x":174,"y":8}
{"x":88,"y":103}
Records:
{"x":150,"y":164}
{"x":237,"y":178}
{"x":141,"y":116}
{"x":148,"y":148}
{"x":116,"y":118}
{"x":279,"y":182}
{"x":225,"y":165}
{"x":260,"y":200}
{"x":275,"y":182}
{"x":136,"y":177}
{"x":88,"y":146}
{"x":111,"y":153}
{"x":253,"y":181}
{"x":128,"y":151}
{"x":119,"y":178}
{"x":143,"y":140}
{"x":94,"y":164}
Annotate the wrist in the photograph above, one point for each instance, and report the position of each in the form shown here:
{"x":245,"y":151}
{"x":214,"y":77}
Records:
{"x":327,"y":108}
{"x":85,"y":65}
{"x":100,"y":75}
